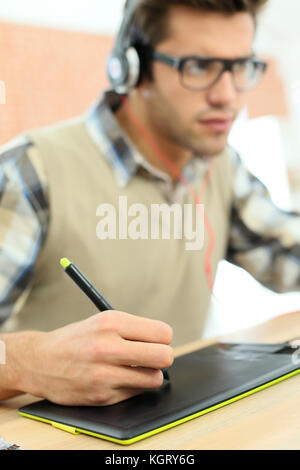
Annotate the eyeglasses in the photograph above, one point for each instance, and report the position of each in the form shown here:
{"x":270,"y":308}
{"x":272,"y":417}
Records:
{"x":201,"y":73}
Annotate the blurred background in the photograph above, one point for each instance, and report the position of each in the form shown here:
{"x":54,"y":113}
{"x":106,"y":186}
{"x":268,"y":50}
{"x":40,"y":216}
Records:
{"x":54,"y":67}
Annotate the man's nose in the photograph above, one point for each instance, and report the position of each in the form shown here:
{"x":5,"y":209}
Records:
{"x":223,"y":92}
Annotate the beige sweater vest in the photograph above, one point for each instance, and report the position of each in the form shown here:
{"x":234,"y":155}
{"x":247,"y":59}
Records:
{"x":158,"y":279}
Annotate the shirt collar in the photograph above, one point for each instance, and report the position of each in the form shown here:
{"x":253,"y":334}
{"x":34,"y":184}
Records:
{"x":120,"y":152}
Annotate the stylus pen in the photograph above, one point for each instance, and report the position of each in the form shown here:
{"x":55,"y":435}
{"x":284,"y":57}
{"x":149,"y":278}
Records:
{"x":93,"y":294}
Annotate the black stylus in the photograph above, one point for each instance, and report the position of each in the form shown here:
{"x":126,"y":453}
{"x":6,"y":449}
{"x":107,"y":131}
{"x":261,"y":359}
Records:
{"x":93,"y":294}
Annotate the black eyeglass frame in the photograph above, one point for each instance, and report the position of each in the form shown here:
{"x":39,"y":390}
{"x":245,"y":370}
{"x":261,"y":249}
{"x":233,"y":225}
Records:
{"x":178,"y":63}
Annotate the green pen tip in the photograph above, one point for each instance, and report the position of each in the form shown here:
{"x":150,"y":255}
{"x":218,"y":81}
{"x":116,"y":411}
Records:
{"x":65,"y":262}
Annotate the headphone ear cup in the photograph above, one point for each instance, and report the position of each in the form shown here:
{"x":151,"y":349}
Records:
{"x":134,"y":68}
{"x":117,"y":69}
{"x":124,"y":70}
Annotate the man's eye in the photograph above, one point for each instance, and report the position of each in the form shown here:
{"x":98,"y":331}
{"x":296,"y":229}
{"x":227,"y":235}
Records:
{"x":242,"y":66}
{"x":195,"y":68}
{"x":247,"y":68}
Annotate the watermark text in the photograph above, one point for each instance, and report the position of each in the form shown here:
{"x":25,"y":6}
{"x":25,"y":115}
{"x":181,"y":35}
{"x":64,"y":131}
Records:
{"x":159,"y":222}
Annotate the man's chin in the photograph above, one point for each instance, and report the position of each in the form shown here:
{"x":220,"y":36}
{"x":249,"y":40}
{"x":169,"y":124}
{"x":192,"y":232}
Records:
{"x":209,"y":143}
{"x":212,"y":148}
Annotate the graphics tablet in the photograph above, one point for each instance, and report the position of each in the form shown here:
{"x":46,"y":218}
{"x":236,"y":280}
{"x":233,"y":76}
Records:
{"x":200,"y":382}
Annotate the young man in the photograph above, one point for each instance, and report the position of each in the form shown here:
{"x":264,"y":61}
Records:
{"x":165,"y":143}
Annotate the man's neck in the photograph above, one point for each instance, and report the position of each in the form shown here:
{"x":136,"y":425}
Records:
{"x":176,"y":154}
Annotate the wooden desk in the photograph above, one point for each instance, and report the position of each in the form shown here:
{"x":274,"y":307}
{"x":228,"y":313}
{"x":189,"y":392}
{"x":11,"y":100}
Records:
{"x":269,"y":419}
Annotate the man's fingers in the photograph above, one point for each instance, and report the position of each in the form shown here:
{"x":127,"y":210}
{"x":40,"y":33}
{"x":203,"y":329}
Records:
{"x":136,"y":328}
{"x":155,"y":356}
{"x":128,"y":353}
{"x":135,"y":378}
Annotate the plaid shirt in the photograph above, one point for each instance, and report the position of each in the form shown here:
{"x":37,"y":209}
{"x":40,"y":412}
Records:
{"x":263,"y":239}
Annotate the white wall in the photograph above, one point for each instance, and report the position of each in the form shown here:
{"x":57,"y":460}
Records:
{"x":279,"y":36}
{"x":95,"y":16}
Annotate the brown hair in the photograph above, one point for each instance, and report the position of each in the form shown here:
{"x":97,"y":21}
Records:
{"x":150,"y":19}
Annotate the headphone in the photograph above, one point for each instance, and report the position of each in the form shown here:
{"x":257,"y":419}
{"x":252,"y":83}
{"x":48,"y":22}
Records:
{"x":124,"y":62}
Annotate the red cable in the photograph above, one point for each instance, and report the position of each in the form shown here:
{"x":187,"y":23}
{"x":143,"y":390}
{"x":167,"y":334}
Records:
{"x":197,"y":197}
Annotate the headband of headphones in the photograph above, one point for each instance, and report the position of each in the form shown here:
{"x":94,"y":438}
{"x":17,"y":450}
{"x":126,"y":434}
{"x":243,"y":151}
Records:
{"x":124,"y":65}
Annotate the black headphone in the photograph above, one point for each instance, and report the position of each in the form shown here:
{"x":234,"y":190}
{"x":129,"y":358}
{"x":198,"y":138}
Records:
{"x":124,"y":63}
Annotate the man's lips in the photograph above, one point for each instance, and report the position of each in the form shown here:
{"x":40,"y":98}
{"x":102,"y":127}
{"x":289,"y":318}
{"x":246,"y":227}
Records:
{"x":218,"y":124}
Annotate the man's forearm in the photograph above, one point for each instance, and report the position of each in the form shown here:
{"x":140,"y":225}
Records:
{"x":11,"y":347}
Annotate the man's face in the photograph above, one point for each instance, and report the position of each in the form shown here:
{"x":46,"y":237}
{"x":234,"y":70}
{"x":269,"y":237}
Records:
{"x":198,"y":120}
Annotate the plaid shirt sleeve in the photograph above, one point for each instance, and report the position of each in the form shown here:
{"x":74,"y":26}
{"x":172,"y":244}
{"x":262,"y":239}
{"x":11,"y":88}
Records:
{"x":264,"y":240}
{"x":24,"y":219}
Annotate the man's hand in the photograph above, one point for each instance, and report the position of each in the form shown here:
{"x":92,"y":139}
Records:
{"x":103,"y":360}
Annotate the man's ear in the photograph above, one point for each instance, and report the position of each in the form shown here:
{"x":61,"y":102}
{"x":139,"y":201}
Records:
{"x":145,"y":88}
